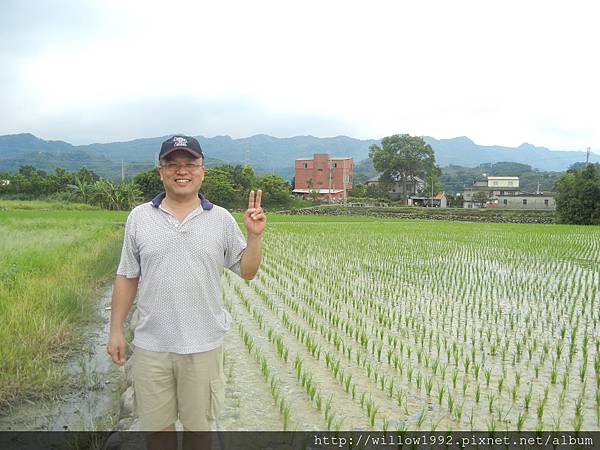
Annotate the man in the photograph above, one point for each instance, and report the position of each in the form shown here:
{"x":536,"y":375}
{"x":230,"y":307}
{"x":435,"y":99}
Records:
{"x":174,"y":251}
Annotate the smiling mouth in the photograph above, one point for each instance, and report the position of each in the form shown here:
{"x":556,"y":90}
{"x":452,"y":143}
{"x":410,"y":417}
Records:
{"x":182,"y":180}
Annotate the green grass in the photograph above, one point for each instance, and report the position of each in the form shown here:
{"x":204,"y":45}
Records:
{"x":11,"y":205}
{"x":52,"y":263}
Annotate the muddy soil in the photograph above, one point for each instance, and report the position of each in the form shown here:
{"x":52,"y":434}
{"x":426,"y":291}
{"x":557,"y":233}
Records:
{"x":91,"y":402}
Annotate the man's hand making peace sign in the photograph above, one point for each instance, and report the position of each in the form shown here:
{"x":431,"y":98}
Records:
{"x":254,"y":217}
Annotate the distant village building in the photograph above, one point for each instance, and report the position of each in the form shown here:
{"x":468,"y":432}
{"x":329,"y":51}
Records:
{"x":4,"y":182}
{"x":524,"y":200}
{"x":414,"y":186}
{"x":440,"y":200}
{"x":325,"y":176}
{"x":415,"y":192}
{"x":504,"y":192}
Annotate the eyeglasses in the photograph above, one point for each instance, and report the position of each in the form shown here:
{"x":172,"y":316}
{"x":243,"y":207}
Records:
{"x":173,"y":167}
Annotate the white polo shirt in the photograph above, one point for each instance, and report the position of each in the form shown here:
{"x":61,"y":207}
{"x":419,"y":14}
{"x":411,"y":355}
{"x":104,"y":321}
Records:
{"x":180,"y":267}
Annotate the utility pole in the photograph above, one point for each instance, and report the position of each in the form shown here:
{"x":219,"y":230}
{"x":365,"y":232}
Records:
{"x":344,"y":177}
{"x":432,"y":188}
{"x":587,"y":156}
{"x":122,"y":171}
{"x":330,"y":164}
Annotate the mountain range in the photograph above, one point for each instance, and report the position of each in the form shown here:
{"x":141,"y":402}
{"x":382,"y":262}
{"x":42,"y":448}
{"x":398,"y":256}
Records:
{"x":265,"y":153}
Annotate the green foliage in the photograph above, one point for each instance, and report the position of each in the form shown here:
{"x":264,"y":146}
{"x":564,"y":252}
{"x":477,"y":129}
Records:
{"x":31,"y":183}
{"x":149,"y":183}
{"x":225,"y":185}
{"x":276,"y":192}
{"x":433,"y":178}
{"x":505,"y":169}
{"x":401,"y":157}
{"x":220,"y":189}
{"x":229,"y":186}
{"x":358,"y":191}
{"x":578,"y":199}
{"x":481,"y":197}
{"x":377,"y":190}
{"x":51,"y":266}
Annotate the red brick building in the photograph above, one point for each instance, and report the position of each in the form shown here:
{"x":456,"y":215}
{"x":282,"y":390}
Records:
{"x":330,"y":177}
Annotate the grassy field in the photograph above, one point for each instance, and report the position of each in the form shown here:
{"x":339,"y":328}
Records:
{"x":53,"y":259}
{"x":425,"y":325}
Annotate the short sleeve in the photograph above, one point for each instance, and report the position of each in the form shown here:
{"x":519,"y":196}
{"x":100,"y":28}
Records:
{"x":129,"y":265}
{"x":235,"y":244}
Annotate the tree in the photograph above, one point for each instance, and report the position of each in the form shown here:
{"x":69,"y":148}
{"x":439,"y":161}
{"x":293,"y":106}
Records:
{"x":276,"y":192}
{"x":432,"y":184}
{"x":248,"y":179}
{"x":402,"y":157}
{"x":358,"y":190}
{"x":86,"y":175}
{"x":377,"y":190}
{"x":219,"y":189}
{"x":149,"y":183}
{"x":578,"y":199}
{"x":481,"y":197}
{"x":312,"y":192}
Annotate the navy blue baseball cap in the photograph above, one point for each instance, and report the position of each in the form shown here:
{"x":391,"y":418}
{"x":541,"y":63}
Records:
{"x":179,"y":142}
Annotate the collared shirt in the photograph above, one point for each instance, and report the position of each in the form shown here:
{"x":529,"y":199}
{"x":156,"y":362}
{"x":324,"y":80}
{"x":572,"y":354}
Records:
{"x":180,"y":265}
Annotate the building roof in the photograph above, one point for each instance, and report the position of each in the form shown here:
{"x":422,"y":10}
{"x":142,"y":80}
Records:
{"x":409,"y":179}
{"x":502,"y":178}
{"x":530,"y":194}
{"x":331,"y":158}
{"x":320,"y":191}
{"x":491,"y":188}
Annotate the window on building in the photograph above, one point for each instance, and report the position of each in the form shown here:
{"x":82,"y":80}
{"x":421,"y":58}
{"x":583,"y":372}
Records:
{"x":335,"y":165}
{"x":306,"y":165}
{"x":320,"y":170}
{"x":524,"y":201}
{"x":505,"y":201}
{"x":546,"y":202}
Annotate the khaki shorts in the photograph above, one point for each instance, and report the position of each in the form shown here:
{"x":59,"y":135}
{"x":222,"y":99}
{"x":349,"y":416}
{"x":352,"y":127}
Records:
{"x":169,"y":386}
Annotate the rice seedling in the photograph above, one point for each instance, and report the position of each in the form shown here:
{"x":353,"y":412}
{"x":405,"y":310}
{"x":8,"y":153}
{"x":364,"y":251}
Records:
{"x":491,"y":398}
{"x":419,"y":330}
{"x":421,"y":418}
{"x":521,"y":418}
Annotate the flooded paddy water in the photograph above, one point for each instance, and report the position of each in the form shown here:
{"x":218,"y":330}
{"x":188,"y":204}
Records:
{"x":426,"y":326}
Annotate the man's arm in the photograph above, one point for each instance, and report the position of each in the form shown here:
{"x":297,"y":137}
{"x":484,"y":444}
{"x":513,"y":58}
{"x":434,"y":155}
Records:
{"x":123,"y":295}
{"x":251,"y":256}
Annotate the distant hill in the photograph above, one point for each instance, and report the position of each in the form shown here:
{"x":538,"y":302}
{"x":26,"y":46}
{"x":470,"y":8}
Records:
{"x":463,"y":151}
{"x":265,"y":153}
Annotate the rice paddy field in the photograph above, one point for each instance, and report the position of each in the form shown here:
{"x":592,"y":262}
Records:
{"x":417,"y":325}
{"x":351,"y":324}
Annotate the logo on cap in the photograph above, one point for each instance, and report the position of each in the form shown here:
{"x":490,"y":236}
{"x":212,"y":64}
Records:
{"x":180,"y":142}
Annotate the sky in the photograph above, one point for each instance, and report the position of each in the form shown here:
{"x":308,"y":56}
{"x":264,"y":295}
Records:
{"x":500,"y":72}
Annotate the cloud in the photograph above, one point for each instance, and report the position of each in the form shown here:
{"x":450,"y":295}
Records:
{"x":30,"y":28}
{"x":500,"y":72}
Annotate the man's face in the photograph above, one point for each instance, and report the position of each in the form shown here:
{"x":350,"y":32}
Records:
{"x":181,"y":174}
